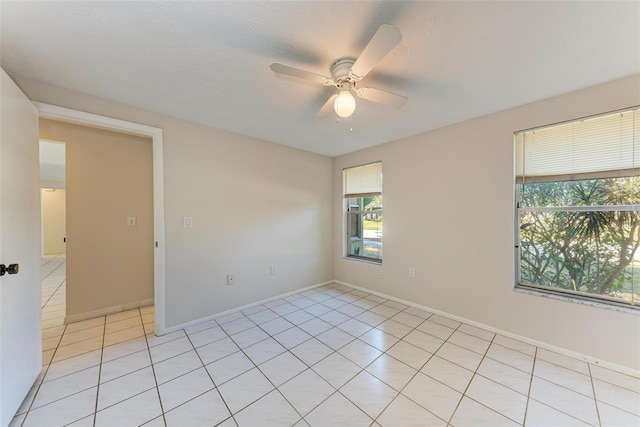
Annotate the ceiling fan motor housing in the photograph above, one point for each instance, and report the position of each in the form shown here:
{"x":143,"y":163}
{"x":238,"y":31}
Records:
{"x":341,"y":69}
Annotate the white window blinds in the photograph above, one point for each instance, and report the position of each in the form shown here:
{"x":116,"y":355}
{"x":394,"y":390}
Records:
{"x":605,"y":146}
{"x":363,"y":181}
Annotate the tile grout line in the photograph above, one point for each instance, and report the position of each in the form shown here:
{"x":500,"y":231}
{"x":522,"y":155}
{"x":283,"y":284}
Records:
{"x":399,"y":392}
{"x":64,"y":260}
{"x":104,"y":333}
{"x":44,"y":375}
{"x":61,"y":283}
{"x":334,"y":351}
{"x":484,"y":355}
{"x":155,"y":379}
{"x":425,"y":363}
{"x":382,"y":353}
{"x":51,"y":259}
{"x":289,"y":350}
{"x":595,"y":399}
{"x":457,"y":329}
{"x":215,"y":386}
{"x":294,"y":325}
{"x":529,"y":398}
{"x":464,"y":393}
{"x":102,"y":353}
{"x":275,"y":388}
{"x":533,"y":369}
{"x":551,"y":381}
{"x":64,"y":281}
{"x":568,"y":389}
{"x":419,"y":370}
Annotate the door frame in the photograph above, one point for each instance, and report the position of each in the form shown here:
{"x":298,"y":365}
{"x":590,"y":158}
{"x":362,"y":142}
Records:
{"x":62,"y":114}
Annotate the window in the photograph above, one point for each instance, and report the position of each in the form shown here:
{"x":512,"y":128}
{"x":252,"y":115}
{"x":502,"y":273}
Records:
{"x":577,"y":206}
{"x":363,"y":212}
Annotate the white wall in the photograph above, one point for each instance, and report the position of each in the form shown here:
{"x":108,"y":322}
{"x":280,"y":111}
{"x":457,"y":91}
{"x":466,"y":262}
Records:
{"x":253,"y":204}
{"x":449,"y":212}
{"x":20,"y":314}
{"x":53,"y":202}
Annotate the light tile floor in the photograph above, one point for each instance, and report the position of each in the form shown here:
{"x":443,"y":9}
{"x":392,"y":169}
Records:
{"x":331,"y":356}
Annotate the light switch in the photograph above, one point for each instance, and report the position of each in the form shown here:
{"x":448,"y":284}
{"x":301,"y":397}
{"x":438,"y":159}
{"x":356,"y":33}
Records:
{"x":188,"y":222}
{"x":131,"y":221}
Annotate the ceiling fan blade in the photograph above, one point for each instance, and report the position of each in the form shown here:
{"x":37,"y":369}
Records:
{"x":383,"y":41}
{"x":327,"y":108}
{"x":381,"y":96}
{"x":301,"y":74}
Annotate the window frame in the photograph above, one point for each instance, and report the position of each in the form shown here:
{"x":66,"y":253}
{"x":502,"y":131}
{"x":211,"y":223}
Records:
{"x":350,"y":214}
{"x":543,"y":290}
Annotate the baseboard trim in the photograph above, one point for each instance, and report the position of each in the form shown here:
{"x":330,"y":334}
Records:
{"x":546,"y":346}
{"x":108,"y":310}
{"x":244,"y":307}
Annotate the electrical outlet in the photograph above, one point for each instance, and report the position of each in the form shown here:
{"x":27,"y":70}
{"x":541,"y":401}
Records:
{"x":412,"y":272}
{"x":380,"y":277}
{"x":272,"y":270}
{"x":230,"y":279}
{"x":188,"y":222}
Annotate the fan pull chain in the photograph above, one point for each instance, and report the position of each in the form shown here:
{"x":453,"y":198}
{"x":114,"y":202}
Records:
{"x":350,"y":122}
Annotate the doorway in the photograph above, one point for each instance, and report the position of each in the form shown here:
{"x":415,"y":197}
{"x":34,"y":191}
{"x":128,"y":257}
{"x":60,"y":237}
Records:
{"x":66,"y":115}
{"x":53,"y":244}
{"x":53,"y":197}
{"x":109,"y":219}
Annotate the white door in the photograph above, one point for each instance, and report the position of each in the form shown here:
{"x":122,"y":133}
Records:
{"x":20,"y":327}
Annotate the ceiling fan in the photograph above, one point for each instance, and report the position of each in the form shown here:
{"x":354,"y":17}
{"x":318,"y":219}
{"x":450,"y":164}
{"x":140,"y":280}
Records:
{"x":347,"y":72}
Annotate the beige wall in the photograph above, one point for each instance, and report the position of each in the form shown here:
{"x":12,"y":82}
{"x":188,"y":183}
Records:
{"x":253,"y":203}
{"x":53,"y":220}
{"x":109,"y":178}
{"x":449,"y":212}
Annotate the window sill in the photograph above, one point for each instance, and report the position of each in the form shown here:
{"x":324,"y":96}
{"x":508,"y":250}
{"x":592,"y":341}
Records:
{"x":365,"y":260}
{"x":577,"y":300}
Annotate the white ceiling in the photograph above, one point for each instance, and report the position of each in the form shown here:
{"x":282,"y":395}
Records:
{"x":208,"y":61}
{"x":52,"y":153}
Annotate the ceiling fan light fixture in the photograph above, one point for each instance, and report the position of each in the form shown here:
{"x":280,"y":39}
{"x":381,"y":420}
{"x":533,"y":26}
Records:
{"x":345,"y":103}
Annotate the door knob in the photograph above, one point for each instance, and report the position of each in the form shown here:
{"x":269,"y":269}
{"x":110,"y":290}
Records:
{"x":12,"y":269}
